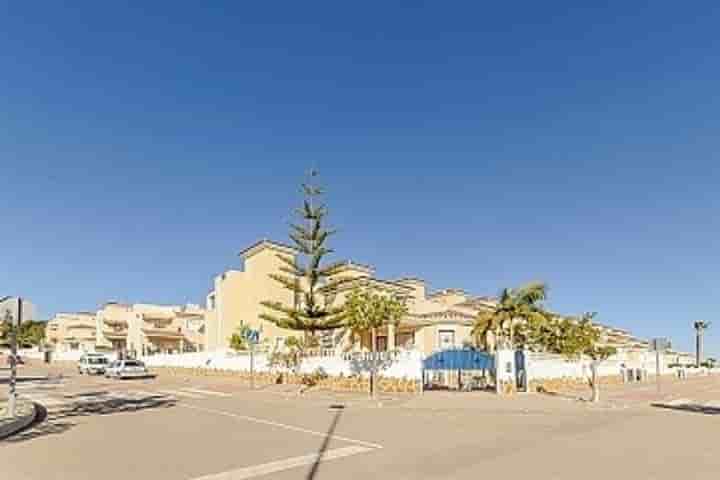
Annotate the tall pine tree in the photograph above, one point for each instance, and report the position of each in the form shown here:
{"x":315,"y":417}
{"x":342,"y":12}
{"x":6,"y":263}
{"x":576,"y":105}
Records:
{"x":312,"y":283}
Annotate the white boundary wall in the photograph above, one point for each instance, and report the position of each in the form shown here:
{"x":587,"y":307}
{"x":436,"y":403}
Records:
{"x":549,"y":366}
{"x":71,"y":356}
{"x":405,"y":364}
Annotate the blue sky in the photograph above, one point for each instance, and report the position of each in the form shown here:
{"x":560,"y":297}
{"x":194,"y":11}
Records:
{"x":478,"y":146}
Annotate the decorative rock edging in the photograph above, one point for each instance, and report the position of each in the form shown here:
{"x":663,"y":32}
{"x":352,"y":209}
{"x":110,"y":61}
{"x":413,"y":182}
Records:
{"x":568,"y":384}
{"x":333,"y":383}
{"x":19,"y":424}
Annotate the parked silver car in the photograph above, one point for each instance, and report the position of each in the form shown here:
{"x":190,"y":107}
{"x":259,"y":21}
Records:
{"x":92,"y":363}
{"x":126,"y":369}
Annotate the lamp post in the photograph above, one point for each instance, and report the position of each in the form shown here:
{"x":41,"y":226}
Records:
{"x":700,"y":327}
{"x":12,"y":394}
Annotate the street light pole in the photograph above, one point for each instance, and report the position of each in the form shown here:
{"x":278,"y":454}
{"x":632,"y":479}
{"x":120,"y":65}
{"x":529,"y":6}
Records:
{"x":252,"y":366}
{"x":657,"y":371}
{"x":12,"y":394}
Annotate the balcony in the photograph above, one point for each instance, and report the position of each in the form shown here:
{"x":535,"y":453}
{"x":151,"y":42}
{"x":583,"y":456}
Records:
{"x":81,"y":324}
{"x":159,"y":331}
{"x":79,"y":336}
{"x":115,"y":323}
{"x":117,"y":333}
{"x":158,"y":316}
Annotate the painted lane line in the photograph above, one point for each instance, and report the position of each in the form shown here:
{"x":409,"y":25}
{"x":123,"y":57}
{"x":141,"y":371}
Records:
{"x":135,"y":394}
{"x":280,"y":425}
{"x":286,"y":464}
{"x":712,"y":404}
{"x":180,"y":393}
{"x":212,"y":393}
{"x":25,"y":386}
{"x":45,"y":401}
{"x":677,"y":402}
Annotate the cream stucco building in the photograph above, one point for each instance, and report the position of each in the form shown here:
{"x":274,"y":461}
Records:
{"x":72,"y":331}
{"x":435,"y":320}
{"x":137,"y":329}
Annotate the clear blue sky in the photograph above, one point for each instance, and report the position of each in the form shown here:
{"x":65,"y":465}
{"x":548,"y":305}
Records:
{"x":476,"y":145}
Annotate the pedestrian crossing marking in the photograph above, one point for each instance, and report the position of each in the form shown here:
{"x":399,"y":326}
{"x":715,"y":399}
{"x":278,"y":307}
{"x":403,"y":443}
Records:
{"x":73,"y":398}
{"x":180,"y":393}
{"x":212,"y":393}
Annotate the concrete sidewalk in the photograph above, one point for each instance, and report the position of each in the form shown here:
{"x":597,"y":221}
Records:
{"x":24,"y":416}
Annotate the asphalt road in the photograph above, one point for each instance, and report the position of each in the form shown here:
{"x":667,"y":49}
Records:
{"x":212,"y":428}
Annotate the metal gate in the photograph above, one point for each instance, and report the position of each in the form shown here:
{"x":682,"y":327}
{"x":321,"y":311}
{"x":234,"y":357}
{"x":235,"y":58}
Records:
{"x":459,"y":369}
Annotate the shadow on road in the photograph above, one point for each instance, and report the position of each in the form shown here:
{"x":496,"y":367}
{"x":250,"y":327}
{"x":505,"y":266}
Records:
{"x":690,"y":407}
{"x":61,"y":420}
{"x":326,"y":442}
{"x":6,"y":380}
{"x":87,"y":394}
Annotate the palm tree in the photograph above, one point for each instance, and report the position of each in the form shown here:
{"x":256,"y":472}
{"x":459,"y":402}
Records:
{"x":520,"y":306}
{"x":700,"y":327}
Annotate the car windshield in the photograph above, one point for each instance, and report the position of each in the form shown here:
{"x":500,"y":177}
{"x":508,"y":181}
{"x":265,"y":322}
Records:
{"x":97,"y":360}
{"x":133,"y":364}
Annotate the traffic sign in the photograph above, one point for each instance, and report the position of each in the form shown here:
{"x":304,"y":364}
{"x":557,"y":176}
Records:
{"x":660,"y":344}
{"x":252,"y":336}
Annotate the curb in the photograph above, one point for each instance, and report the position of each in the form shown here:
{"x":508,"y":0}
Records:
{"x":19,"y":424}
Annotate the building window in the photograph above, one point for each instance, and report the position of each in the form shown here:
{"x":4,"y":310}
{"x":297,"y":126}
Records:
{"x":211,"y":302}
{"x":382,"y":344}
{"x":406,"y":340}
{"x":446,"y":339}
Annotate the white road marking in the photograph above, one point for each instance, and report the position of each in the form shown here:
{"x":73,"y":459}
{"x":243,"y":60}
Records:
{"x":44,"y":400}
{"x":207,"y":392}
{"x":35,"y":386}
{"x":180,"y":393}
{"x":133,"y":394}
{"x":712,"y":404}
{"x":286,"y":464}
{"x":280,"y":425}
{"x":677,"y":402}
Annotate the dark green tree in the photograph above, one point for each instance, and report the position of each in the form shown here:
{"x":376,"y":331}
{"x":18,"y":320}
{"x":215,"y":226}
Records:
{"x":30,"y":334}
{"x":368,"y":312}
{"x":577,"y":338}
{"x":313,"y":284}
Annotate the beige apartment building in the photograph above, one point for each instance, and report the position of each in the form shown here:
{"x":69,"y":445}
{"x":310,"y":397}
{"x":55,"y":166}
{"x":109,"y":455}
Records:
{"x":72,"y":332}
{"x":435,"y":321}
{"x":138,"y":329}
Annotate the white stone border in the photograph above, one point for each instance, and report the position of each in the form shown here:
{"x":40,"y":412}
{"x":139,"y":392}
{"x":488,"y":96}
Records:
{"x":19,"y":424}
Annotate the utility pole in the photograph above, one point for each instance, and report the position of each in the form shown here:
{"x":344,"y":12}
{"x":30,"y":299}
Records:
{"x":252,"y":366}
{"x":657,"y":371}
{"x":660,"y":346}
{"x":700,"y":327}
{"x":12,"y":394}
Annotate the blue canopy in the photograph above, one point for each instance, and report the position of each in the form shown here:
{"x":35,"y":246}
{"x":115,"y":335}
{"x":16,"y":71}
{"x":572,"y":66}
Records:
{"x":459,"y":359}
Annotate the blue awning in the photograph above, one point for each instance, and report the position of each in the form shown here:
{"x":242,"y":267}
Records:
{"x":459,"y":359}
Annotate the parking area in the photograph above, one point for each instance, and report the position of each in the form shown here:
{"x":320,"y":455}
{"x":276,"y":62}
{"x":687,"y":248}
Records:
{"x":192,"y":428}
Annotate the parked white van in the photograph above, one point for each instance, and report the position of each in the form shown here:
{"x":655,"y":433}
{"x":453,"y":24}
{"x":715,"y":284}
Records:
{"x":92,"y":363}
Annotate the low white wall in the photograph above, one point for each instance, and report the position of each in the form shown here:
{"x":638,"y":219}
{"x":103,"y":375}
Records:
{"x":35,"y":354}
{"x":550,"y":366}
{"x":31,"y":353}
{"x":71,"y":356}
{"x":405,"y":364}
